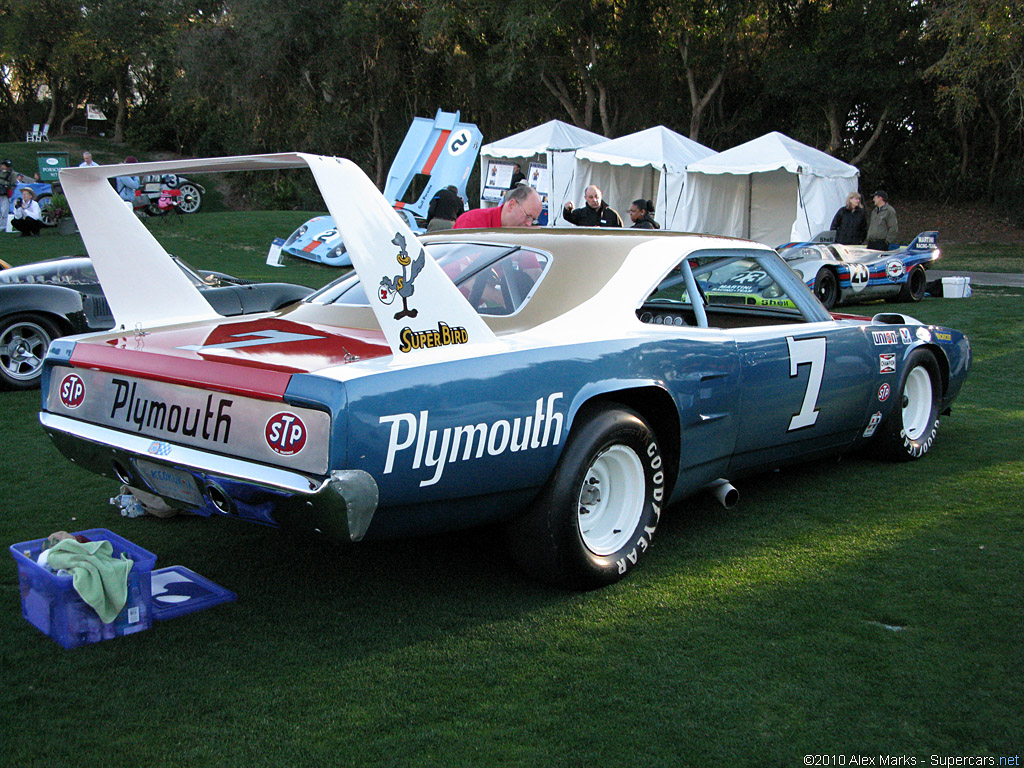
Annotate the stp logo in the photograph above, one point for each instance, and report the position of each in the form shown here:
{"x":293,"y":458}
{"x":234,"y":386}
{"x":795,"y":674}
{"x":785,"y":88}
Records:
{"x":72,"y":391}
{"x":285,"y":433}
{"x":883,"y":393}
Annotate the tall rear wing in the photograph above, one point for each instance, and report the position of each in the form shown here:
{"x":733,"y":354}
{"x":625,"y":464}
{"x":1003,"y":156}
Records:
{"x":418,"y":307}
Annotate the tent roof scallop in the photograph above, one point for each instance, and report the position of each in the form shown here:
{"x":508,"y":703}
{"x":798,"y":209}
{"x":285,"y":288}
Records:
{"x":657,"y":147}
{"x":771,"y":152}
{"x":552,"y":136}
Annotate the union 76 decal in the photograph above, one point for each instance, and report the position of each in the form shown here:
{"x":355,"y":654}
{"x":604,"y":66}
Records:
{"x":807,"y":352}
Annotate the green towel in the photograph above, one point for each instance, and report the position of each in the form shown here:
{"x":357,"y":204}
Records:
{"x":100,"y":579}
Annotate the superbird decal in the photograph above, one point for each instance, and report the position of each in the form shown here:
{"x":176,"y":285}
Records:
{"x":402,"y":284}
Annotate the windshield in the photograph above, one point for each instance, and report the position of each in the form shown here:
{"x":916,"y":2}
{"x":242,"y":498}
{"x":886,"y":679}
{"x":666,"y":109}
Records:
{"x":61,"y":271}
{"x":495,"y":279}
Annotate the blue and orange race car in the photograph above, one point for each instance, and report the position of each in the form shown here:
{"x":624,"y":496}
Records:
{"x":436,"y":153}
{"x":850,"y":274}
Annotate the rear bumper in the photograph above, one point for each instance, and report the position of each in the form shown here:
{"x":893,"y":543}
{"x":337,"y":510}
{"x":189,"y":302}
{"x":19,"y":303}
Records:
{"x":340,"y":506}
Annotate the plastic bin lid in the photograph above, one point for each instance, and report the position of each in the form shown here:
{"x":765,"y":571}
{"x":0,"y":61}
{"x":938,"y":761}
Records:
{"x":178,"y":590}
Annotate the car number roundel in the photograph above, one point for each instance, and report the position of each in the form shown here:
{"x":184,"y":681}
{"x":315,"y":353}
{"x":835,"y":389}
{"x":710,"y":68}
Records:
{"x":285,"y":433}
{"x":72,"y":391}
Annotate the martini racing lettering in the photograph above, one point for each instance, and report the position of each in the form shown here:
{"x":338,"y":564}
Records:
{"x":469,"y":441}
{"x":171,"y":417}
{"x":444,"y":336}
{"x":657,"y":495}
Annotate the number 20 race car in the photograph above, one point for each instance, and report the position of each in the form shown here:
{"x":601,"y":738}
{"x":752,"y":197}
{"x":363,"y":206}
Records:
{"x":570,"y":385}
{"x":848,"y":274}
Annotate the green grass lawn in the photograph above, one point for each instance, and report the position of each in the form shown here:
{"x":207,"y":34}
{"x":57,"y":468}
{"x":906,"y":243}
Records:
{"x":844,"y":607}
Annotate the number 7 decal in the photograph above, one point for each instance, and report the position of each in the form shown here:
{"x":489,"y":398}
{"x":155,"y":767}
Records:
{"x":807,"y":352}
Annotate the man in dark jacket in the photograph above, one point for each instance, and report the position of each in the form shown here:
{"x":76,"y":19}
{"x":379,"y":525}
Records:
{"x":444,"y":209}
{"x":595,"y":213}
{"x":883,"y":228}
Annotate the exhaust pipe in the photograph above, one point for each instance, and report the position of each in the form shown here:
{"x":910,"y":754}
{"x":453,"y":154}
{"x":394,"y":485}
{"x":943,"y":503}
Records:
{"x":724,"y":492}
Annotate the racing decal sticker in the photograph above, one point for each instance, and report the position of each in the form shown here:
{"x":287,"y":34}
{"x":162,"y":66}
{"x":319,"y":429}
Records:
{"x":944,"y":337}
{"x":883,"y":392}
{"x":254,"y":339}
{"x":442,"y":337}
{"x":876,"y":419}
{"x":859,"y":276}
{"x":923,"y":334}
{"x":459,"y":142}
{"x":905,"y":335}
{"x":885,"y":337}
{"x":887,"y":362}
{"x":894,"y":270}
{"x":402,"y":285}
{"x":285,"y":433}
{"x":438,"y":448}
{"x":807,"y":352}
{"x":72,"y":391}
{"x":159,"y":448}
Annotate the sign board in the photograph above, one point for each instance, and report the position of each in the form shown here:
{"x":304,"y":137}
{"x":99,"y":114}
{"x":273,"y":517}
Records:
{"x":50,"y":164}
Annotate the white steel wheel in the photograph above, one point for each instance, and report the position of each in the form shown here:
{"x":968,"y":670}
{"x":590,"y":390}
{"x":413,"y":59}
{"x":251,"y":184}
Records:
{"x":917,"y":403}
{"x":611,"y":500}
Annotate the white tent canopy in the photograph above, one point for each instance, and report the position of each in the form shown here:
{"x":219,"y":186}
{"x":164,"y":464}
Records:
{"x":649,"y":164}
{"x":554,"y":144}
{"x":772,"y":189}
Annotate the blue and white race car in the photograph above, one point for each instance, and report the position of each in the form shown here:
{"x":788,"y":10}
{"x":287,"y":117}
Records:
{"x":850,"y":274}
{"x":568,"y":385}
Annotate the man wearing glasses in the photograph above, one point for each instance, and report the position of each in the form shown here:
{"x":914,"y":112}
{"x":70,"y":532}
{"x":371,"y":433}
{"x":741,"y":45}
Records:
{"x":521,"y":208}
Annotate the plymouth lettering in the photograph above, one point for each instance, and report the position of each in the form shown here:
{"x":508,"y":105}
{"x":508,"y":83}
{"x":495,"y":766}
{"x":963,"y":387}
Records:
{"x":171,"y":417}
{"x":434,"y":449}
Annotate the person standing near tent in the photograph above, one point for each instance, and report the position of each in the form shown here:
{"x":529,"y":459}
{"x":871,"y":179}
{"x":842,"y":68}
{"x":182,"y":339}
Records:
{"x":521,"y":208}
{"x":595,"y":213}
{"x":641,"y":212}
{"x":883,"y":227}
{"x":850,"y":222}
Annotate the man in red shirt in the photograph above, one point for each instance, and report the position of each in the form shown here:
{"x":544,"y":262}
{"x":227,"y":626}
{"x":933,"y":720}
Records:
{"x":521,"y":208}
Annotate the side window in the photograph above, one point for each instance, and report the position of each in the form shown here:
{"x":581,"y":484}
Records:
{"x":503,"y":287}
{"x":722,"y":289}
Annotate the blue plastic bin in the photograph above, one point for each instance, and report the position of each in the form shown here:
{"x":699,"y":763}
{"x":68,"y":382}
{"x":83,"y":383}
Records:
{"x":49,"y":602}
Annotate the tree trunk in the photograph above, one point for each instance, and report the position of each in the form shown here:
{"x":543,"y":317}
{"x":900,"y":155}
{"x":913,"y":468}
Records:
{"x":835,"y":129}
{"x":997,"y":128}
{"x":874,"y":137}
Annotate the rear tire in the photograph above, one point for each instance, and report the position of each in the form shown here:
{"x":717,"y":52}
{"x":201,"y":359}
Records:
{"x":24,"y":340}
{"x":595,"y":517}
{"x":914,"y":289}
{"x":909,"y":431}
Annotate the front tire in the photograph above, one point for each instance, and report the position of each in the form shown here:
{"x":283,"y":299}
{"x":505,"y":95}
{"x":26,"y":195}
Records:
{"x":24,"y":340}
{"x":826,"y":288}
{"x":594,"y":519}
{"x":908,"y":433}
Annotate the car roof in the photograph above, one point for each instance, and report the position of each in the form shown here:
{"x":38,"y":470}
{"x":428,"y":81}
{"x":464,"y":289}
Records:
{"x":583,"y":262}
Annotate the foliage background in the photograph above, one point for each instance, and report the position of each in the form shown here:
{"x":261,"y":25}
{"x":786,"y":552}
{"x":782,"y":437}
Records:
{"x":925,"y":96}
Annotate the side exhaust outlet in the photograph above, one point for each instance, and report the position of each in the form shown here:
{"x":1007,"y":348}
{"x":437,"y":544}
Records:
{"x":724,"y":493}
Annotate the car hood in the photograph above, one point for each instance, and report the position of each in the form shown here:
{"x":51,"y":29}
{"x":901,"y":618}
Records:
{"x":253,"y":356}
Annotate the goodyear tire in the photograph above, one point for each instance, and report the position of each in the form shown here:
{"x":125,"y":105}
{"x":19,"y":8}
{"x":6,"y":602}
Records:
{"x":908,"y":433}
{"x":914,"y":288}
{"x":826,"y":288}
{"x":594,"y":519}
{"x":24,"y":340}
